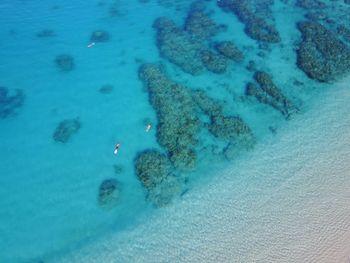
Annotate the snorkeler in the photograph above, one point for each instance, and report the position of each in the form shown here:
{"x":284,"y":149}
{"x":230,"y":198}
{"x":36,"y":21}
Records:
{"x":116,"y":148}
{"x":148,"y":127}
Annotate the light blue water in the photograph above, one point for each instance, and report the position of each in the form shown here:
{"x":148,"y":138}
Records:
{"x":48,"y":194}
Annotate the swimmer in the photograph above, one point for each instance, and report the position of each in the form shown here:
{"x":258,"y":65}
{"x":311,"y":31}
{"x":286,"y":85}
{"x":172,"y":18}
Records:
{"x":116,"y":148}
{"x":91,"y":44}
{"x":148,"y":127}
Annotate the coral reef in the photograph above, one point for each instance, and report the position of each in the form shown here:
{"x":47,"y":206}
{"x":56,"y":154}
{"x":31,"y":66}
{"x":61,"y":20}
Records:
{"x":200,"y":25}
{"x":256,"y":16}
{"x":229,"y":128}
{"x":109,"y":193}
{"x":99,"y":36}
{"x":66,"y":129}
{"x":229,"y":50}
{"x":321,"y":55}
{"x":311,"y":4}
{"x":214,"y":62}
{"x":154,"y":172}
{"x":118,"y":169}
{"x":270,"y":94}
{"x":344,"y":32}
{"x":65,"y":62}
{"x":178,"y":46}
{"x":206,"y":104}
{"x":10,"y":103}
{"x":45,"y":33}
{"x":106,"y":89}
{"x":177,"y":120}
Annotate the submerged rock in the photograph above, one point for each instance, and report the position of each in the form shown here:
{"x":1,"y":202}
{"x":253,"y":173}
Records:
{"x":99,"y":36}
{"x":344,"y":32}
{"x":10,"y":102}
{"x":106,"y":89}
{"x":229,"y":50}
{"x":66,"y":129}
{"x":321,"y":55}
{"x":178,"y":123}
{"x":109,"y":193}
{"x":256,"y":16}
{"x":178,"y":46}
{"x":311,"y":4}
{"x":214,"y":62}
{"x":200,"y":25}
{"x":45,"y":33}
{"x":228,"y":127}
{"x":154,"y":172}
{"x":269,"y":94}
{"x":64,"y":62}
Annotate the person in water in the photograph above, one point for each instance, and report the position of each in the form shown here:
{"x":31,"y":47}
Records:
{"x":116,"y":148}
{"x":91,"y":44}
{"x":148,"y":127}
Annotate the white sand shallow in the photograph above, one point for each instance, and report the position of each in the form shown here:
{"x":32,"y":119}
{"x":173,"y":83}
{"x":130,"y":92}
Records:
{"x":289,"y":203}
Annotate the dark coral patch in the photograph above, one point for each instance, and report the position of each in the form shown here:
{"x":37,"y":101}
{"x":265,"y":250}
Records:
{"x":229,"y":50}
{"x":106,"y":89}
{"x":178,"y":124}
{"x":268,"y":93}
{"x":10,"y":103}
{"x":109,"y":193}
{"x":65,"y":62}
{"x":46,"y":33}
{"x":66,"y":129}
{"x":321,"y":55}
{"x":214,"y":62}
{"x":100,"y":36}
{"x":154,"y":172}
{"x":178,"y":46}
{"x":199,"y":24}
{"x":257,"y":17}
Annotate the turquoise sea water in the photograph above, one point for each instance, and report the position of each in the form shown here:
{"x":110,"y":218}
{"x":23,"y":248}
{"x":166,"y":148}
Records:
{"x":49,"y":190}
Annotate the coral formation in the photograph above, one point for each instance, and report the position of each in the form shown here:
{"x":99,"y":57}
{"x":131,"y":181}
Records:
{"x":344,"y":32}
{"x":99,"y":36}
{"x":66,"y":129}
{"x":65,"y":62}
{"x":321,"y":55}
{"x":229,"y":128}
{"x":118,"y":169}
{"x":106,"y":89}
{"x":109,"y":193}
{"x":311,"y":4}
{"x":200,"y":25}
{"x":178,"y":46}
{"x":177,"y":120}
{"x":154,"y":172}
{"x":10,"y":104}
{"x":229,"y":50}
{"x":45,"y":33}
{"x":257,"y":17}
{"x":214,"y":62}
{"x":178,"y":113}
{"x":270,"y":94}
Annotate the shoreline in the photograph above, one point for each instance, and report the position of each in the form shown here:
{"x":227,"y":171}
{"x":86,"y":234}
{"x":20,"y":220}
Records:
{"x":237,"y":218}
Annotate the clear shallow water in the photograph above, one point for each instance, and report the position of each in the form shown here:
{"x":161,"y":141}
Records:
{"x":48,"y":194}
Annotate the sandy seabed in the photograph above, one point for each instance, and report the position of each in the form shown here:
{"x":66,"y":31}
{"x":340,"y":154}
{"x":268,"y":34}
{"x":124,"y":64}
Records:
{"x":290,"y":202}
